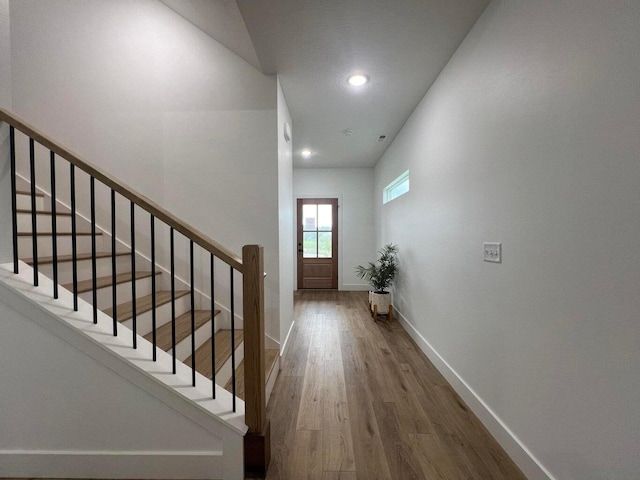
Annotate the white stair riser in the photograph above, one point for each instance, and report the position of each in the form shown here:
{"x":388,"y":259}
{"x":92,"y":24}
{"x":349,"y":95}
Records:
{"x":45,"y":247}
{"x":103,"y":265}
{"x":123,"y":292}
{"x":183,"y":348}
{"x":163,"y":315}
{"x":43,"y":223}
{"x":23,"y":202}
{"x":224,"y":374}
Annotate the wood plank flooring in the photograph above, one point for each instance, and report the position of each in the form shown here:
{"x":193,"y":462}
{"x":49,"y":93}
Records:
{"x":358,"y":400}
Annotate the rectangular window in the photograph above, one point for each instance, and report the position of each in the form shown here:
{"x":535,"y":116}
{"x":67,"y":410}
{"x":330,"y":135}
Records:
{"x":398,"y":187}
{"x":317,"y":222}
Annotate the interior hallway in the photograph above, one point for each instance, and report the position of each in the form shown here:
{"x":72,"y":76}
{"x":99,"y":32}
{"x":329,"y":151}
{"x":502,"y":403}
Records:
{"x":358,"y":400}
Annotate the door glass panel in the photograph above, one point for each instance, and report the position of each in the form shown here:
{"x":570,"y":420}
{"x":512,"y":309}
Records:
{"x":324,"y":245}
{"x":324,"y":217}
{"x":310,"y":245}
{"x":309,"y":217}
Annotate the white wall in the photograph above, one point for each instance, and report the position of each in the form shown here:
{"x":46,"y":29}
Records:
{"x":529,"y":137}
{"x":68,"y":415}
{"x":138,"y":90}
{"x":5,"y":102}
{"x":286,"y":219}
{"x":354,"y":189}
{"x":5,"y":55}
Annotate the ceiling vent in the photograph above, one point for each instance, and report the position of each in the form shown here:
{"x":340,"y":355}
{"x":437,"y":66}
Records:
{"x":381,"y":138}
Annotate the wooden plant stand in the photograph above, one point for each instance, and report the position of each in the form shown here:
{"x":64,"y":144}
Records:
{"x":374,"y":313}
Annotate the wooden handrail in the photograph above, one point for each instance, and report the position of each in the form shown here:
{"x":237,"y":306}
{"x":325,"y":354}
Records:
{"x":143,"y":202}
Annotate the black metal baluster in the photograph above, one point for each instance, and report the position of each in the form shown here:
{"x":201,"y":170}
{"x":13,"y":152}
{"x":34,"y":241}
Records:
{"x":193,"y":319}
{"x":233,"y":343}
{"x":14,"y":200}
{"x":173,"y":305}
{"x":114,"y":295}
{"x":213,"y":332}
{"x":74,"y":249}
{"x":34,"y":226}
{"x":153,"y":284}
{"x":133,"y":275}
{"x":94,"y":268}
{"x":54,"y":225}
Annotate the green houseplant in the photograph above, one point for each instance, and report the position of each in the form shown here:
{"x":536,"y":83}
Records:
{"x":381,"y":275}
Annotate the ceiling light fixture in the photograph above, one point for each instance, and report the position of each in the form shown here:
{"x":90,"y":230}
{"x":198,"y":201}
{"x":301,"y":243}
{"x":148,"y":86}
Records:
{"x":306,"y":153}
{"x":358,"y":80}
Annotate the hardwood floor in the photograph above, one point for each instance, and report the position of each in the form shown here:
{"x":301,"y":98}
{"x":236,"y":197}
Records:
{"x":357,"y":399}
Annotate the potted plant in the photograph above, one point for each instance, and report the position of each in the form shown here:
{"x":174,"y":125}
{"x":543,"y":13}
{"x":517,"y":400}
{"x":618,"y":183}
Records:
{"x":380,"y":275}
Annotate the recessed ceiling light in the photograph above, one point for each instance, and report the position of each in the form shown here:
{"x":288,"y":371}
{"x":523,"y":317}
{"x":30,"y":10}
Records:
{"x":357,"y":80}
{"x":306,"y":153}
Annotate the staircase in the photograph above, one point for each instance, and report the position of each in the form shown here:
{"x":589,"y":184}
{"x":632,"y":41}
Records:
{"x":137,"y":291}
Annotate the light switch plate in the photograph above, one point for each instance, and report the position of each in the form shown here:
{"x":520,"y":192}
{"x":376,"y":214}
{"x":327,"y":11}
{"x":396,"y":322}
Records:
{"x":493,"y":252}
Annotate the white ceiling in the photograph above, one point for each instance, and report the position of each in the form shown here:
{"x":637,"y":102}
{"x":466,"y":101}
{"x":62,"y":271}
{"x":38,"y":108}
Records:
{"x":313,"y":45}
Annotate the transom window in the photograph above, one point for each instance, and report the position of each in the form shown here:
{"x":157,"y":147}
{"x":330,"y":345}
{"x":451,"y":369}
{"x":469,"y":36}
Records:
{"x":398,"y":187}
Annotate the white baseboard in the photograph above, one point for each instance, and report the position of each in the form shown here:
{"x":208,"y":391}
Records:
{"x":286,"y":340}
{"x":519,"y":453}
{"x":120,"y":465}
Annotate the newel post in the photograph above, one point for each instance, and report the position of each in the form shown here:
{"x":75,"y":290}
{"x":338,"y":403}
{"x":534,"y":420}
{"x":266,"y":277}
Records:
{"x":257,"y":452}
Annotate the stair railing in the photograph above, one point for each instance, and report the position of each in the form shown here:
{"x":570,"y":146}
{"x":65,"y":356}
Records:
{"x":250,"y":265}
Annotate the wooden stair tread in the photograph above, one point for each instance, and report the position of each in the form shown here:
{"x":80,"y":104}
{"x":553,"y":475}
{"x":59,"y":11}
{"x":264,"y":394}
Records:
{"x":59,"y":234}
{"x":24,"y":192}
{"x":124,"y":310}
{"x":270,"y":357}
{"x":107,"y":281}
{"x":69,"y":258}
{"x":43,"y":212}
{"x":223,"y":351}
{"x":183,"y":328}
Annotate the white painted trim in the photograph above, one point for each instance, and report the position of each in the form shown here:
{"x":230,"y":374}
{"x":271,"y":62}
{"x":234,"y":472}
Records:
{"x":284,"y":345}
{"x":119,"y":465}
{"x":519,"y":453}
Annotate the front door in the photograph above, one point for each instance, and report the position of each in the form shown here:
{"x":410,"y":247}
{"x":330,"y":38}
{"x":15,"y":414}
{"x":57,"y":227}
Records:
{"x":317,"y":243}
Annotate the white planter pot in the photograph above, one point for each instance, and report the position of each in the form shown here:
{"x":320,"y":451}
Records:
{"x":382,"y":300}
